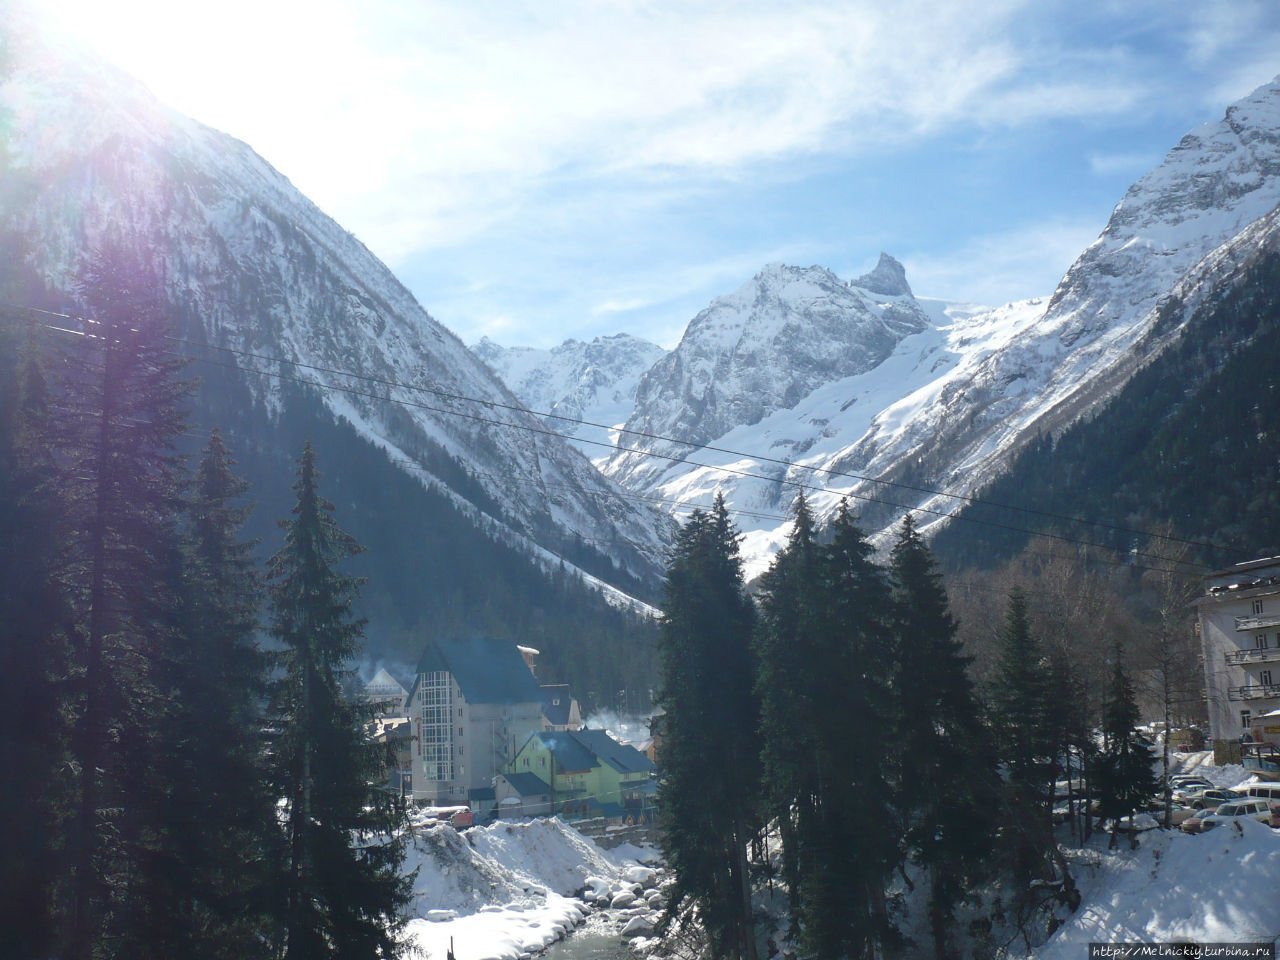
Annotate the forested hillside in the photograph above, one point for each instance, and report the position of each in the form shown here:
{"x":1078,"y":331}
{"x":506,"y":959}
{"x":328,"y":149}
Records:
{"x":430,"y":568}
{"x":1192,"y":440}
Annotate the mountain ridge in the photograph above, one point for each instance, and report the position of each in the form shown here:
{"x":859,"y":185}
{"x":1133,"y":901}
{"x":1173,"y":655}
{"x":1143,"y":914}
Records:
{"x":942,"y":413}
{"x":257,"y":269}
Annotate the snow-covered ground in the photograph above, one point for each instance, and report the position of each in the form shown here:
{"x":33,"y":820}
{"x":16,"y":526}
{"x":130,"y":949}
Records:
{"x":511,"y":889}
{"x":1217,"y":887}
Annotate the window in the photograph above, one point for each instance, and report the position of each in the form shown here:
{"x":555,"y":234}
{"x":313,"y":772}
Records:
{"x":1257,"y":608}
{"x":1260,"y":641}
{"x":1245,"y":716}
{"x":1264,"y":678}
{"x":437,"y":747}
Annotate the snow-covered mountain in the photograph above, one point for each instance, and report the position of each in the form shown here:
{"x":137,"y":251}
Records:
{"x":251,"y":265}
{"x":858,"y":389}
{"x":584,"y":388}
{"x":764,"y":348}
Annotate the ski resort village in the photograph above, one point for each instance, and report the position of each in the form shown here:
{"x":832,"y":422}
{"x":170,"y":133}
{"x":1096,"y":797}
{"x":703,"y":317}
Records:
{"x":639,"y":481}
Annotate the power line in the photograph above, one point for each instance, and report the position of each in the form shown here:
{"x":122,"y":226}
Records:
{"x":711,"y":448}
{"x":790,"y":464}
{"x":350,"y":391}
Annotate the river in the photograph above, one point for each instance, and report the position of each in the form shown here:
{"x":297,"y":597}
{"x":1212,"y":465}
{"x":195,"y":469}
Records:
{"x":596,"y":939}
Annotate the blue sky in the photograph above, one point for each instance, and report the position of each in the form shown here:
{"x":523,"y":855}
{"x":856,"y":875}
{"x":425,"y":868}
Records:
{"x":535,"y":172}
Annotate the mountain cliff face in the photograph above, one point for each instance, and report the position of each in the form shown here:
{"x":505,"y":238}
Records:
{"x":761,"y":349}
{"x":860,"y":390}
{"x":593,"y":381}
{"x":257,"y":277}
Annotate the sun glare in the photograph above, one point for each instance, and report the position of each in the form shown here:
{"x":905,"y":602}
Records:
{"x":204,"y":60}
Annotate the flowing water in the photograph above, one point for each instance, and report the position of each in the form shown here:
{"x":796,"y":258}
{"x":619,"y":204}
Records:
{"x":596,"y":939}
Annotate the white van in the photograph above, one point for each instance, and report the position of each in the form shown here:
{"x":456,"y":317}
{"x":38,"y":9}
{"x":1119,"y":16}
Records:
{"x":1263,"y":791}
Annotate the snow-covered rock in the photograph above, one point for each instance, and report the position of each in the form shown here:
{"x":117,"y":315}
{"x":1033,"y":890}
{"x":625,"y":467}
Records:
{"x":585,"y":389}
{"x":642,"y":926}
{"x":623,"y":898}
{"x":509,"y":890}
{"x":645,"y":876}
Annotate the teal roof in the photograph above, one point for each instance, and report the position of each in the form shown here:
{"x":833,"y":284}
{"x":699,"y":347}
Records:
{"x":621,"y":756}
{"x":528,"y":784}
{"x":486,"y":669}
{"x":584,"y":749}
{"x":570,"y":755}
{"x":556,"y":713}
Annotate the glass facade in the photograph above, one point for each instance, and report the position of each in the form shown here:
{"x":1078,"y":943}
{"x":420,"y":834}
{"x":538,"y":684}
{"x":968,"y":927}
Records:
{"x":436,"y":690}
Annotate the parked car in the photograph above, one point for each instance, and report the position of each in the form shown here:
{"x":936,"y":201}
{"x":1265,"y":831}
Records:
{"x":1214,"y":793}
{"x":1189,"y":788}
{"x":1195,"y":808}
{"x":1258,"y":809}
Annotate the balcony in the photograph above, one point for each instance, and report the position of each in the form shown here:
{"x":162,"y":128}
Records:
{"x":1254,"y":691}
{"x":1236,"y":658}
{"x":1258,"y":621}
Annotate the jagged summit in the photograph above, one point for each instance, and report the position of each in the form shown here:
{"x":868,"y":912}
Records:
{"x":764,"y":347}
{"x":889,"y":279}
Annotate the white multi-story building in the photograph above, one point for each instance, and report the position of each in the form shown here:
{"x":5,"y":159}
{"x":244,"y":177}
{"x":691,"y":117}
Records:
{"x":1239,"y":621}
{"x":473,"y":704}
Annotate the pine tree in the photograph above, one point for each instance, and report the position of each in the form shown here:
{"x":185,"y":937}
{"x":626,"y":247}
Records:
{"x":1026,"y":741}
{"x":784,"y":641}
{"x":343,"y":892}
{"x":1124,"y":777}
{"x":948,"y":785}
{"x":213,"y":868}
{"x":856,"y":694}
{"x":709,"y":731}
{"x":33,"y":734}
{"x":825,"y":651}
{"x":122,"y":411}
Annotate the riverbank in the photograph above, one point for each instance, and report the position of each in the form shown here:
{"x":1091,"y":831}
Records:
{"x":511,"y":889}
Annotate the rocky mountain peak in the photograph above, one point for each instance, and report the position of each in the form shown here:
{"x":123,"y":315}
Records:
{"x":888,"y":279}
{"x":762,"y":348}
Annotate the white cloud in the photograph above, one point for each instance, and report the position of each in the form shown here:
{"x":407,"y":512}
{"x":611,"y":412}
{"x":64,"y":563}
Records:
{"x":519,"y":138}
{"x":418,"y":124}
{"x":1235,"y":41}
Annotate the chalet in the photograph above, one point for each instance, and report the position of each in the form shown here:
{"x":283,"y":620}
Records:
{"x":588,"y":774}
{"x":473,"y":703}
{"x":1239,"y":623}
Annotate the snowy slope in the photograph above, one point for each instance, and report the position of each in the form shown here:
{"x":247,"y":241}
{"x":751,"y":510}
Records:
{"x":1176,"y":888}
{"x":505,"y":890}
{"x":763,"y":348}
{"x":251,"y":264}
{"x":769,"y":374}
{"x":593,"y":381}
